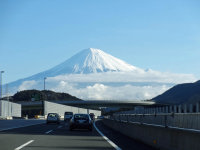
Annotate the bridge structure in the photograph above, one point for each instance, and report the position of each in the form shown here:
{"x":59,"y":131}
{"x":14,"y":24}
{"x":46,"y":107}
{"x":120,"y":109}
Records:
{"x":96,"y":104}
{"x":106,"y":105}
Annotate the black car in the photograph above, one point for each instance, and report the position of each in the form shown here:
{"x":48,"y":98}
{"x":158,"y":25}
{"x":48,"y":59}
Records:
{"x":53,"y":118}
{"x":81,"y":121}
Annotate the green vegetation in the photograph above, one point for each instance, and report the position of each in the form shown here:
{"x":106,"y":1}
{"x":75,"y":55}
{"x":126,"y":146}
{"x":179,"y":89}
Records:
{"x":36,"y":95}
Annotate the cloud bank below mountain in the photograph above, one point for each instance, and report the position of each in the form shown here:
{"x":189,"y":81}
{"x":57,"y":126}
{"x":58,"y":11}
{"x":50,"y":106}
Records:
{"x":112,"y":85}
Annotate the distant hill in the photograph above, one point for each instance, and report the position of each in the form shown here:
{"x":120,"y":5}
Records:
{"x":36,"y":95}
{"x":180,"y":94}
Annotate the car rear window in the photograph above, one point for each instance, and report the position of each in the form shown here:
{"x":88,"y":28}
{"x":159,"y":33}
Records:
{"x":52,"y":115}
{"x":68,"y":113}
{"x":81,"y":116}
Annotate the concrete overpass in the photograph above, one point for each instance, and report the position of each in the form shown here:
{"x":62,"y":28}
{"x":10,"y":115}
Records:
{"x":95,"y":104}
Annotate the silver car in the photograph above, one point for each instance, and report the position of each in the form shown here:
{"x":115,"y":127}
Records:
{"x":53,"y":118}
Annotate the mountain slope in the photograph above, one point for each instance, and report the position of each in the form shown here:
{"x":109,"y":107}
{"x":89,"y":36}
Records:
{"x":88,"y":61}
{"x":36,"y":95}
{"x":181,"y":93}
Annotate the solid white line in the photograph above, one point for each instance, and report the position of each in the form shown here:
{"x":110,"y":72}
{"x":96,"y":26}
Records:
{"x":20,"y":147}
{"x":48,"y":131}
{"x":108,"y":140}
{"x":20,"y":126}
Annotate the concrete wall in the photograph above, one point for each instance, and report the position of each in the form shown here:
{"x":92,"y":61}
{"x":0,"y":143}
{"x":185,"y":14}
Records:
{"x":9,"y":109}
{"x":158,"y":136}
{"x":181,"y":120}
{"x":184,"y":108}
{"x":50,"y":107}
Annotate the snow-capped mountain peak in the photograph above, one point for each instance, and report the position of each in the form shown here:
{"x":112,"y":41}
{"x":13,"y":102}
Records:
{"x":88,"y":61}
{"x":93,"y":60}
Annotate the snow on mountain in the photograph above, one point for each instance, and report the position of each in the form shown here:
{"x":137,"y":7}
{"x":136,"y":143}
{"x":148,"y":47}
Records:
{"x":92,"y":61}
{"x":94,"y":74}
{"x":95,"y":60}
{"x":88,"y":61}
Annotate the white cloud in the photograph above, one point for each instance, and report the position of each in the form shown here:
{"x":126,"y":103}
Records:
{"x":99,"y":86}
{"x":104,"y":92}
{"x":148,"y":76}
{"x":27,"y":85}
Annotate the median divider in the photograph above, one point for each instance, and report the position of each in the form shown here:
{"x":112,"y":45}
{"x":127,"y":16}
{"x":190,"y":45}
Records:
{"x":18,"y":123}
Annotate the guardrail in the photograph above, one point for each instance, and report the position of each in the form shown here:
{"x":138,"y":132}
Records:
{"x":179,"y":120}
{"x":182,"y":108}
{"x":158,"y":136}
{"x":6,"y":118}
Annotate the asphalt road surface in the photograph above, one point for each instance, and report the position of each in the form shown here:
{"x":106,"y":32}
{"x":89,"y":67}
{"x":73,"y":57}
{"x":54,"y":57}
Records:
{"x":58,"y":137}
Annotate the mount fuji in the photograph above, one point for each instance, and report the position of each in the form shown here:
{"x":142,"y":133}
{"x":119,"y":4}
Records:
{"x":94,"y":74}
{"x":88,"y":61}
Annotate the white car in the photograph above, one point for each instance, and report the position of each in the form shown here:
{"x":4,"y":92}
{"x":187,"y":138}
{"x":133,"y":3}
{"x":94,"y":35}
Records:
{"x":53,"y":118}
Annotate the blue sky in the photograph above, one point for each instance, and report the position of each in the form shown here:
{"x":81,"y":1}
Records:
{"x":36,"y":35}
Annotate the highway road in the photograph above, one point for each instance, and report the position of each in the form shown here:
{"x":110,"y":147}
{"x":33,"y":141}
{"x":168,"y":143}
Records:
{"x":58,"y":137}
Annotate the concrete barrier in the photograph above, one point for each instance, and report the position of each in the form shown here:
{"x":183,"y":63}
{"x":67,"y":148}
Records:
{"x":157,"y":135}
{"x":180,"y":120}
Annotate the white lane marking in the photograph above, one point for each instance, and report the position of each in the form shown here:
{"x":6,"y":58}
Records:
{"x":48,"y":131}
{"x":20,"y":126}
{"x":108,"y":140}
{"x":59,"y":127}
{"x":20,"y":147}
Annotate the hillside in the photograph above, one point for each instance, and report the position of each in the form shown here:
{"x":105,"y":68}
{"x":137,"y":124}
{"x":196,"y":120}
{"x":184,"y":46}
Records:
{"x":181,"y":93}
{"x":36,"y":95}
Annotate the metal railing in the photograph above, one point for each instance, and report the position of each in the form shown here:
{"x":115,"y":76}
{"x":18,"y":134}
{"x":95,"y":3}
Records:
{"x":178,"y":116}
{"x":184,"y":120}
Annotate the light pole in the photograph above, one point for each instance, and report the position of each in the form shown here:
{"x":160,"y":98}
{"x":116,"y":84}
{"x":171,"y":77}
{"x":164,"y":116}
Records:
{"x":43,"y":99}
{"x":44,"y":82}
{"x":1,"y":72}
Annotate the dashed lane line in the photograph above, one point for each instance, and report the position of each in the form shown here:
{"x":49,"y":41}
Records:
{"x":22,"y":146}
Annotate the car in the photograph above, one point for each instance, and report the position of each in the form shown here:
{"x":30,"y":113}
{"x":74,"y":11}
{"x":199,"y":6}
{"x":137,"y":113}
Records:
{"x":81,"y":121}
{"x":68,"y":116}
{"x":53,"y":118}
{"x":92,"y":116}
